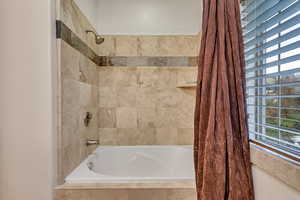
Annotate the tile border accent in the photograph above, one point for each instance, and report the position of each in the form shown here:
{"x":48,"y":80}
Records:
{"x":65,"y":33}
{"x":159,"y":61}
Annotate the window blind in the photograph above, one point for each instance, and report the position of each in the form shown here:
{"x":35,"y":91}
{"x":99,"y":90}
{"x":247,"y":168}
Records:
{"x":271,"y":31}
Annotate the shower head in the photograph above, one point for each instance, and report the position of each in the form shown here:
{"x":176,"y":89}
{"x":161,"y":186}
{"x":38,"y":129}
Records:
{"x":98,"y":38}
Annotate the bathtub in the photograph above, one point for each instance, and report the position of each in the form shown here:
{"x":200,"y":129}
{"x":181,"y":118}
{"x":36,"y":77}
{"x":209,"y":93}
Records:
{"x":121,"y":164}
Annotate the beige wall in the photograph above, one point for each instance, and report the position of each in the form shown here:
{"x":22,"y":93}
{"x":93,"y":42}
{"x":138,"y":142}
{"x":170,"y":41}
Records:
{"x":26,"y":103}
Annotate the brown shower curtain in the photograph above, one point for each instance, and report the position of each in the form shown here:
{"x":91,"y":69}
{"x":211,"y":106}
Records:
{"x":221,"y":147}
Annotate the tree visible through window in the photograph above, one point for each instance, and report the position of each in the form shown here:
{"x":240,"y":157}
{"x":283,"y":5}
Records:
{"x":272,"y":52}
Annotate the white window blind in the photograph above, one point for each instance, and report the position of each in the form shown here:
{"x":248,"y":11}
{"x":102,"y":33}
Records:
{"x":271,"y":31}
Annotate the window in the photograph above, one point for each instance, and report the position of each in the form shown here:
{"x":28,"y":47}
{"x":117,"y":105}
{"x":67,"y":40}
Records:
{"x":271,"y":31}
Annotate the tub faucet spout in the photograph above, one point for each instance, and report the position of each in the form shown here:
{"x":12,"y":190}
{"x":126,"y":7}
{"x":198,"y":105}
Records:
{"x":92,"y":142}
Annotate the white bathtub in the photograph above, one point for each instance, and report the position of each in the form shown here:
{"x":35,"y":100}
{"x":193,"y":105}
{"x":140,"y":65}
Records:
{"x":117,"y":164}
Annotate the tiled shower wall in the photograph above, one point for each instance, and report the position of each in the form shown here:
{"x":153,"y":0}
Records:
{"x":132,"y":105}
{"x":141,"y":105}
{"x":78,"y":93}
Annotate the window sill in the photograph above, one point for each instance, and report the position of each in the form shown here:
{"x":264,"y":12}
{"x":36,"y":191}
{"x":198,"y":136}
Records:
{"x":286,"y":170}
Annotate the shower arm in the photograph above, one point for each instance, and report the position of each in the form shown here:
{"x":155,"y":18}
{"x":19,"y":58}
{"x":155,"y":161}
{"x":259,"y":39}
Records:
{"x":93,"y":32}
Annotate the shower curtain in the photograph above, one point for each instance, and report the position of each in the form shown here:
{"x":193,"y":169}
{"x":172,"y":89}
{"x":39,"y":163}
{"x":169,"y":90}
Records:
{"x":221,"y":146}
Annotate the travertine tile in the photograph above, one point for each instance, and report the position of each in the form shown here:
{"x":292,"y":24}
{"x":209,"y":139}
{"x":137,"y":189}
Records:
{"x":166,"y":117}
{"x":126,"y":117}
{"x":170,"y":97}
{"x":178,"y":45}
{"x":280,"y":168}
{"x":108,"y":194}
{"x":188,"y":45}
{"x":166,"y":136}
{"x":106,"y":77}
{"x":115,"y":61}
{"x":84,"y":150}
{"x":157,"y":61}
{"x":146,"y":117}
{"x":126,"y":46}
{"x":158,"y":77}
{"x":181,"y":194}
{"x":70,"y":128}
{"x":125,"y":76}
{"x":72,"y":16}
{"x":136,"y":61}
{"x":180,"y":61}
{"x":146,"y":61}
{"x":186,"y":74}
{"x":85,"y":94}
{"x":147,"y":194}
{"x":94,"y":96}
{"x":108,"y":47}
{"x":185,"y":136}
{"x":148,"y":46}
{"x":146,"y":97}
{"x":88,"y":71}
{"x":108,"y":136}
{"x":147,"y":136}
{"x":70,"y":93}
{"x":107,"y":97}
{"x":78,"y":96}
{"x":126,"y":96}
{"x":143,"y":102}
{"x":132,"y":136}
{"x":126,"y":194}
{"x":185,"y":111}
{"x":130,"y":185}
{"x":168,"y":45}
{"x":167,"y":77}
{"x":69,"y":61}
{"x":72,"y":195}
{"x":128,"y":136}
{"x":147,"y":77}
{"x":70,"y":157}
{"x":145,"y":45}
{"x":185,"y":118}
{"x":107,"y":117}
